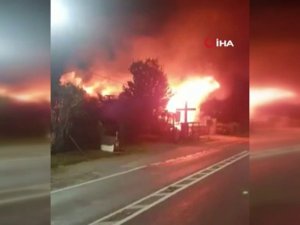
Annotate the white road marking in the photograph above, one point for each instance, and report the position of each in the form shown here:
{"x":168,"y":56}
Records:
{"x":23,"y":198}
{"x":166,"y":192}
{"x":33,"y":188}
{"x":185,"y":157}
{"x":182,"y":158}
{"x":98,"y":179}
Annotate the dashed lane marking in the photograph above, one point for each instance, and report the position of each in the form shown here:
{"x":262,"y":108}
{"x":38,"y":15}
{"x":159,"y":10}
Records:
{"x":169,"y":161}
{"x":136,"y":208}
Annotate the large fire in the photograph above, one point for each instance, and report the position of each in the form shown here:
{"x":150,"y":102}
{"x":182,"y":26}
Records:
{"x":194,"y":92}
{"x":92,"y":87}
{"x":265,"y":96}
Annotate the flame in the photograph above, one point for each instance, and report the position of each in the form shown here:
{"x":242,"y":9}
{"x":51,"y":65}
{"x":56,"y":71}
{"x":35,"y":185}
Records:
{"x":193,"y":92}
{"x":264,"y":96}
{"x":93,"y":87}
{"x":70,"y":78}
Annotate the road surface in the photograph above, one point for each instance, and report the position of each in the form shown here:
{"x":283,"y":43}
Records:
{"x":24,"y":184}
{"x":206,"y":185}
{"x":275,"y":177}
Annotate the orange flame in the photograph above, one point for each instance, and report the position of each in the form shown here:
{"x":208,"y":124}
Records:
{"x":193,"y":91}
{"x":92,"y":87}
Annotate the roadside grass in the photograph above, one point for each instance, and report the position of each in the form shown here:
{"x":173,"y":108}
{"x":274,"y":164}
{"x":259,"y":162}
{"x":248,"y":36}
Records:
{"x":74,"y":157}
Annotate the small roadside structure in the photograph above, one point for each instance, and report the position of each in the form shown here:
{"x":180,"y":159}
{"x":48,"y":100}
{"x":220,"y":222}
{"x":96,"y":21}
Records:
{"x":110,"y":143}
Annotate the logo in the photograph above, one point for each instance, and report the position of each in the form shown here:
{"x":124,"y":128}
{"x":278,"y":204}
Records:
{"x":218,"y":43}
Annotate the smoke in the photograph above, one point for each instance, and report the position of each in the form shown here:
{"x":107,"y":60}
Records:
{"x":172,"y":31}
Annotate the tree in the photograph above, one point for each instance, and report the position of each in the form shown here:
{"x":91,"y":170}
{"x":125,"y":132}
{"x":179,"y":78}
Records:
{"x":149,"y":83}
{"x":75,"y":118}
{"x":86,"y":126}
{"x":146,"y":96}
{"x":63,"y":109}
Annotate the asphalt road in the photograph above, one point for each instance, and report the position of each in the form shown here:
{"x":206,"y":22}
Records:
{"x":24,"y":184}
{"x":275,"y":177}
{"x":219,"y":197}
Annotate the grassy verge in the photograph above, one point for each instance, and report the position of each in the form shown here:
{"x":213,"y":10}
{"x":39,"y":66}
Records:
{"x":73,"y":157}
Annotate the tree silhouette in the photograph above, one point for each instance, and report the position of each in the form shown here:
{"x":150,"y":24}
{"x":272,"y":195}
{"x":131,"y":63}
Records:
{"x":149,"y":84}
{"x":63,"y":109}
{"x":74,"y":115}
{"x":146,"y":95}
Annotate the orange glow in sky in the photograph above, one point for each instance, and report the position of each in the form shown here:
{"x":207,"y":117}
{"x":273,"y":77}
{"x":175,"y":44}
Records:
{"x":29,"y":94}
{"x":92,"y":87}
{"x":265,"y":96}
{"x":194,"y":91}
